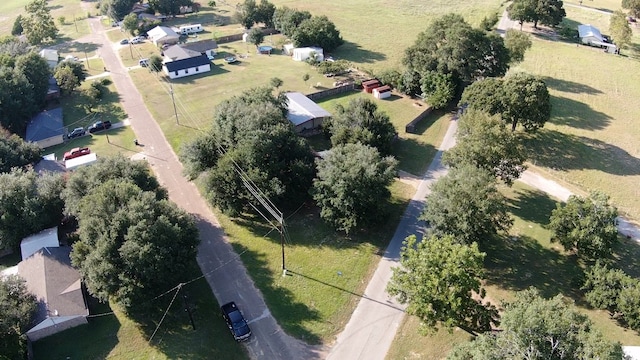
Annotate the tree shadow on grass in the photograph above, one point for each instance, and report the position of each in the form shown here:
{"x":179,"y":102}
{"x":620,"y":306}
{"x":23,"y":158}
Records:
{"x":576,"y":114}
{"x":569,"y":86}
{"x":516,"y":263}
{"x":625,"y":255}
{"x":356,"y":53}
{"x":561,"y":151}
{"x":413,"y":156}
{"x":72,"y":46}
{"x":532,"y":205}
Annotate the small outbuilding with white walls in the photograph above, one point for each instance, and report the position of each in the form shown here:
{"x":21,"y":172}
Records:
{"x":163,"y":35}
{"x":590,"y":35}
{"x":302,"y":54}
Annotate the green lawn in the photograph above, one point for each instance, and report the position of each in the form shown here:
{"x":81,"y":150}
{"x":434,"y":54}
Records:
{"x":116,"y":336}
{"x":326,"y":270}
{"x":525,"y":258}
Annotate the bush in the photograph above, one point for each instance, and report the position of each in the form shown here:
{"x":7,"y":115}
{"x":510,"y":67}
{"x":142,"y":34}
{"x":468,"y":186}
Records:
{"x":489,"y":22}
{"x":568,"y":33}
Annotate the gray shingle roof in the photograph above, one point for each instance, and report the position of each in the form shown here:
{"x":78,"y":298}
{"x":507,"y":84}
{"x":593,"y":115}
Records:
{"x":45,"y":125}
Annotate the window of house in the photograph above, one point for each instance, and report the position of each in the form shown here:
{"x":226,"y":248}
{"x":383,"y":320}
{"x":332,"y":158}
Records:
{"x":176,"y":73}
{"x":196,"y":69}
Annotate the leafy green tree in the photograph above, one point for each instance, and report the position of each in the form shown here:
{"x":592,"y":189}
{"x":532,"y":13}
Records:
{"x":256,"y":37}
{"x":391,"y":77}
{"x":167,"y":7}
{"x":602,"y":286}
{"x":132,"y":246}
{"x":629,"y":304}
{"x":117,"y":9}
{"x":37,"y":71}
{"x":130,"y":23}
{"x":585,"y":226}
{"x":549,"y":12}
{"x":484,"y":141}
{"x":620,"y":29}
{"x":38,"y":23}
{"x":522,"y":11}
{"x":536,"y":328}
{"x":438,"y":89}
{"x":17,"y":26}
{"x":521,"y":99}
{"x":69,"y":74}
{"x":440,"y":280}
{"x":517,"y":43}
{"x":15,"y":152}
{"x":212,"y":3}
{"x":264,"y":13}
{"x":28,"y":204}
{"x":250,"y":131}
{"x":287,"y":20}
{"x":90,"y":98}
{"x":633,"y":6}
{"x":489,"y":22}
{"x":362,"y":122}
{"x":17,"y":99}
{"x":17,"y":308}
{"x":317,"y":31}
{"x":84,"y":180}
{"x":451,"y":46}
{"x":155,"y":63}
{"x":246,"y":13}
{"x":275,"y":82}
{"x":351,"y":186}
{"x":466,"y":203}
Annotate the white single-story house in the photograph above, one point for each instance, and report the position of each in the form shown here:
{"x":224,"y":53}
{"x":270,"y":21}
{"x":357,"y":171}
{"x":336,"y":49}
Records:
{"x":590,"y":35}
{"x":302,"y":54}
{"x":45,"y":238}
{"x":303,"y":113}
{"x":80,"y":161}
{"x":58,"y":288}
{"x":180,"y":62}
{"x":46,"y":129}
{"x":51,"y":56}
{"x":163,"y":35}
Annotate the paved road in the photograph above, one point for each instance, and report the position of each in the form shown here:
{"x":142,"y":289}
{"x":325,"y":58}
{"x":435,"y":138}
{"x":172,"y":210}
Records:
{"x":223,"y":268}
{"x":373,"y":325}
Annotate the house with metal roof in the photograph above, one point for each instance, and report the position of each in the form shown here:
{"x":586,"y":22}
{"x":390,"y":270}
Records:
{"x":46,"y":129}
{"x":163,"y":35}
{"x":590,"y":35}
{"x":303,"y":113}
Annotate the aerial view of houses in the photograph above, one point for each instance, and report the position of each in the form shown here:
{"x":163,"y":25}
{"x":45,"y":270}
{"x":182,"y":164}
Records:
{"x":319,"y":180}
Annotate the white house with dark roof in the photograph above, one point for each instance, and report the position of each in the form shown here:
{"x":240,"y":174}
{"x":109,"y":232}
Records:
{"x":303,"y":113}
{"x":46,"y":129}
{"x":180,"y":62}
{"x":58,"y":288}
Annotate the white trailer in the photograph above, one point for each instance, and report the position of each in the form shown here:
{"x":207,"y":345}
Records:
{"x":190,"y":29}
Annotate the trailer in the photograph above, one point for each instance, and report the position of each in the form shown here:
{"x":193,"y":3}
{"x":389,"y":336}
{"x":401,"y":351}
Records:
{"x":190,"y":29}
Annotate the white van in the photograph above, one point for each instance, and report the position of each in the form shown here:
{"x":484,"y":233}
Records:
{"x":143,"y":62}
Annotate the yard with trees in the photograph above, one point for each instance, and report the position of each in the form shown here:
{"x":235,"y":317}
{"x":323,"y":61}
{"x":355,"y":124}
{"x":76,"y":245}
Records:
{"x":17,"y":306}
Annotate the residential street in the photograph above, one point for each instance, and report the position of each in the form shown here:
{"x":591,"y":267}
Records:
{"x":222,"y":266}
{"x":373,"y":325}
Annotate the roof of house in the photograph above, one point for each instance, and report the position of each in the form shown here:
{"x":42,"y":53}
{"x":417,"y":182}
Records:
{"x":200,"y":46}
{"x":303,"y":109}
{"x":45,"y":125}
{"x":45,"y":238}
{"x":49,"y":54}
{"x":161,"y":32}
{"x":188,"y":63}
{"x":56,"y":285}
{"x":588,"y":31}
{"x":177,"y":52}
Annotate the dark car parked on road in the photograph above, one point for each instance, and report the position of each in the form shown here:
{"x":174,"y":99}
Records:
{"x":99,"y":125}
{"x":235,"y":321}
{"x":77,"y":132}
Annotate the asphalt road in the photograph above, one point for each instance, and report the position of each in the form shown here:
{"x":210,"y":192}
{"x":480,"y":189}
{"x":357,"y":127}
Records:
{"x":222,"y":267}
{"x":373,"y":325}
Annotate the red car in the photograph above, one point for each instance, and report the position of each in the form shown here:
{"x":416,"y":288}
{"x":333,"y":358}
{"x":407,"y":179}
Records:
{"x":76,"y":152}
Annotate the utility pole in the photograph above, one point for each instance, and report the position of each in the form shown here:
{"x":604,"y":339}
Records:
{"x":175,"y":111}
{"x":188,"y":309}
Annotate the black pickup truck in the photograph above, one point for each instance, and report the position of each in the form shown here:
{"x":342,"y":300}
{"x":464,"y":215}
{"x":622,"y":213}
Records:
{"x":235,"y":321}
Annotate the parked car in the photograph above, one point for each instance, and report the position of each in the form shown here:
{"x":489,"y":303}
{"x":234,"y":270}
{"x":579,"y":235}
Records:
{"x":124,"y":42}
{"x":136,"y":40}
{"x":143,"y":62}
{"x":99,"y":125}
{"x":76,"y":152}
{"x":235,"y":321}
{"x":77,"y":132}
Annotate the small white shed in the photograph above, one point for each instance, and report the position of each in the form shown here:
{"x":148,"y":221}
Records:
{"x":382,"y":92}
{"x":302,"y":54}
{"x":288,"y":49}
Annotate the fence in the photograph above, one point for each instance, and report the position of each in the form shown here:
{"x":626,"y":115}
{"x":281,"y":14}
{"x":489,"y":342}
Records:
{"x":411,"y":127}
{"x":237,"y":37}
{"x":331,"y":92}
